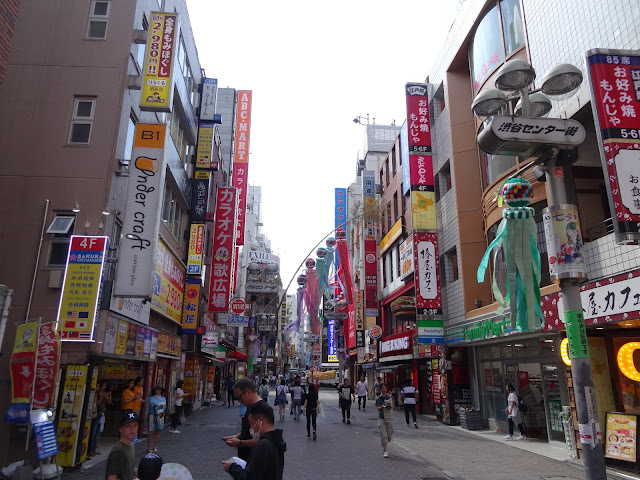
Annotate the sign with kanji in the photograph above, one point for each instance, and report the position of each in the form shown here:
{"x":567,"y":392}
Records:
{"x":427,"y":276}
{"x":200,"y":197}
{"x":222,"y":262}
{"x":240,"y":182}
{"x":196,"y":249}
{"x":208,"y":100}
{"x":157,"y":83}
{"x":23,"y":361}
{"x":167,"y":294}
{"x":48,"y":360}
{"x":340,"y":207}
{"x":205,"y":145}
{"x":614,"y":76}
{"x":564,"y":242}
{"x":191,"y":304}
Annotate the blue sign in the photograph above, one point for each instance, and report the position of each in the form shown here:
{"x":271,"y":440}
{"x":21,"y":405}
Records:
{"x":341,"y":207}
{"x":332,"y":354}
{"x":404,"y":159}
{"x":46,"y":443}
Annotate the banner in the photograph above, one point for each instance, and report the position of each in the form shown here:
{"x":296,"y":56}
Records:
{"x":240,"y":178}
{"x":200,"y":197}
{"x":208,"y":100}
{"x":168,"y":283}
{"x":191,"y":305}
{"x":614,"y":76}
{"x":69,"y":414}
{"x":222,"y":263}
{"x":243,"y":127}
{"x":23,"y":361}
{"x":196,"y":249}
{"x":427,"y":284}
{"x":46,"y":371}
{"x":145,"y":193}
{"x":404,"y":157}
{"x":157,"y":83}
{"x":82,"y":287}
{"x":341,"y":207}
{"x":359,"y":318}
{"x":332,"y":352}
{"x":406,"y":258}
{"x":370,"y":244}
{"x":205,"y":145}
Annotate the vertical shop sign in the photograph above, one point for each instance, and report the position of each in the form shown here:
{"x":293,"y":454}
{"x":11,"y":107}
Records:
{"x":81,"y":287}
{"x":614,"y":76}
{"x":47,"y":363}
{"x":200,"y":197}
{"x":370,"y":244}
{"x":142,"y":212}
{"x":168,"y":283}
{"x":222,"y":263}
{"x":205,"y":145}
{"x":85,"y":425}
{"x":132,"y":333}
{"x":196,"y":249}
{"x":23,"y":361}
{"x":241,"y":156}
{"x":191,"y":304}
{"x":209,"y":100}
{"x":428,"y":294}
{"x":189,"y":386}
{"x":564,"y":242}
{"x":404,"y":156}
{"x":73,"y":393}
{"x":341,"y":207}
{"x":406,"y":258}
{"x":359,"y":318}
{"x":240,"y":176}
{"x":157,"y":84}
{"x":121,"y":338}
{"x":332,"y":352}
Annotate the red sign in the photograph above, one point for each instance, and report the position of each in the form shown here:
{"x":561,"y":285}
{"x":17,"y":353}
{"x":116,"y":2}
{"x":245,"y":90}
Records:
{"x":240,"y":174}
{"x":241,"y":156}
{"x":349,"y":327}
{"x":397,"y":344}
{"x":222,"y":262}
{"x":46,"y":366}
{"x":615,"y":92}
{"x":427,"y":274}
{"x":435,"y":389}
{"x":370,"y":278}
{"x":418,"y":119}
{"x":238,"y":306}
{"x":421,"y":170}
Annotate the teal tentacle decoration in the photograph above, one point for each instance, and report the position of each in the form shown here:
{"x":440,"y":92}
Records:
{"x":517,"y":237}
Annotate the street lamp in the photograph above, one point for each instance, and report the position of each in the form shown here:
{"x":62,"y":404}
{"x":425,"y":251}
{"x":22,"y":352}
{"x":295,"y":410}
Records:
{"x":553,"y":142}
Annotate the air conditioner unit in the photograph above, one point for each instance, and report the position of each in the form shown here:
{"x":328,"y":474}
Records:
{"x":112,"y":254}
{"x":123,"y":168}
{"x":134,"y":82}
{"x":55,"y":278}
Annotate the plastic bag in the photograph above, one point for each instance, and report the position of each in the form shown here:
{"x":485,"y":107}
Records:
{"x":320,"y":410}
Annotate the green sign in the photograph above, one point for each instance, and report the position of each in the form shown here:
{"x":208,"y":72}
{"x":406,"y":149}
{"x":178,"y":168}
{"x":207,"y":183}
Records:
{"x":492,"y":327}
{"x":577,"y":334}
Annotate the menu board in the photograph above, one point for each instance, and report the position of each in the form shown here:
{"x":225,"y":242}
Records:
{"x":436,"y":389}
{"x":620,"y":438}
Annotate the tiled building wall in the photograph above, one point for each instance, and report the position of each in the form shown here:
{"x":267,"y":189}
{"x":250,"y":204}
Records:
{"x":605,"y":259}
{"x":8,"y":16}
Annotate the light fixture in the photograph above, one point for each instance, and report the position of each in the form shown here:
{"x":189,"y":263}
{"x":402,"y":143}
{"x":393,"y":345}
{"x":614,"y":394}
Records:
{"x":539,"y":106}
{"x":561,"y":79}
{"x":76,"y":207}
{"x":564,"y":351}
{"x":489,"y":103}
{"x":599,"y":328}
{"x":515,"y":75}
{"x":106,"y":211}
{"x":625,"y":361}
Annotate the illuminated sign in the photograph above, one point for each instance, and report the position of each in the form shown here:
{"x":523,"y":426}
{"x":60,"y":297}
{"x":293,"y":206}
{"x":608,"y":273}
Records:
{"x":332,"y":355}
{"x":157,"y":84}
{"x":168,"y":283}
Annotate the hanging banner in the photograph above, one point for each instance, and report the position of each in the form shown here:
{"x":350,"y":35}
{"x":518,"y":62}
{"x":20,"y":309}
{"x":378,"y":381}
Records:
{"x":332,"y":352}
{"x":70,"y":412}
{"x":404,"y":156}
{"x":191,"y":304}
{"x":196,"y":249}
{"x":168,"y":283}
{"x":200,"y":197}
{"x":208,"y":101}
{"x":406,"y":258}
{"x":341,"y":207}
{"x":240,"y":177}
{"x":614,"y":76}
{"x":47,"y":364}
{"x":370,"y":244}
{"x":427,"y":284}
{"x":222,"y":262}
{"x":23,"y":361}
{"x":205,"y":145}
{"x":157,"y":83}
{"x":142,"y":212}
{"x":82,"y":287}
{"x":243,"y":127}
{"x":359,"y":318}
{"x":564,"y":242}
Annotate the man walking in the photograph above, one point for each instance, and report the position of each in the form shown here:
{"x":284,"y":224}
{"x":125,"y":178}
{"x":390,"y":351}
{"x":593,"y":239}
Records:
{"x":362,"y":389}
{"x":345,"y":393}
{"x":245,"y":393}
{"x":409,"y":395}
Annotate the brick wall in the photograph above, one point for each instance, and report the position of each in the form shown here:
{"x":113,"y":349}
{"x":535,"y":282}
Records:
{"x":8,"y":17}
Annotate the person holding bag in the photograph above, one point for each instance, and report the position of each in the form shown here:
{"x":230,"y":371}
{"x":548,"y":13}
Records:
{"x":281,"y":398}
{"x":384,"y":404}
{"x":311,"y":408}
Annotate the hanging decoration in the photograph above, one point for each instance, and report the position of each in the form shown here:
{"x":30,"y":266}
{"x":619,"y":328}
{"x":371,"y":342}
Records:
{"x":322,"y":269}
{"x":517,"y":236}
{"x":344,"y":267}
{"x":314,"y":295}
{"x":295,"y":325}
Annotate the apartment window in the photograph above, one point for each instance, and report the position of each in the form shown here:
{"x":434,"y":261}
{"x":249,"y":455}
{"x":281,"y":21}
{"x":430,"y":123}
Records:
{"x":141,"y":47}
{"x":404,"y":202}
{"x":381,"y":177}
{"x":61,"y":229}
{"x":451,"y":265}
{"x":399,"y":267}
{"x":82,"y":120}
{"x":389,"y":220}
{"x":395,"y":206}
{"x":443,"y":184}
{"x":391,"y":266}
{"x":384,"y":272}
{"x":386,"y":168}
{"x":98,"y":19}
{"x":172,"y":213}
{"x":394,"y":159}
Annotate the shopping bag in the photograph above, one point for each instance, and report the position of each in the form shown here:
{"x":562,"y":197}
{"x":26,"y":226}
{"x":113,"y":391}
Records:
{"x":320,"y":410}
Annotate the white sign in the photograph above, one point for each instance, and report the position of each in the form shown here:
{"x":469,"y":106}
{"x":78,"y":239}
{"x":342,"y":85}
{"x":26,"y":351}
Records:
{"x":263,"y":258}
{"x":134,"y":308}
{"x":394,"y":344}
{"x":554,"y":131}
{"x":427,"y":292}
{"x":626,"y":162}
{"x":136,"y":262}
{"x":210,"y":340}
{"x":406,"y":258}
{"x":223,"y":318}
{"x":208,"y":103}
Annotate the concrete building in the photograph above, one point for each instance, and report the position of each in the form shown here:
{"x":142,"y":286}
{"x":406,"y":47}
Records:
{"x":9,"y":10}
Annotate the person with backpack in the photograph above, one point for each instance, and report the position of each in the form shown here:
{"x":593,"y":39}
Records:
{"x":281,"y":397}
{"x":513,"y":412}
{"x":264,"y":390}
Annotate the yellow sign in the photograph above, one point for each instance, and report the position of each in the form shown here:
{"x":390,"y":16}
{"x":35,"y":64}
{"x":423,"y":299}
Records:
{"x":423,"y":207}
{"x":391,"y":236}
{"x":115,"y":371}
{"x":157,"y":84}
{"x":205,"y":145}
{"x":69,"y":415}
{"x":191,"y":304}
{"x":196,"y":249}
{"x":121,"y":338}
{"x":84,"y":443}
{"x":620,"y":436}
{"x":201,"y":175}
{"x":168,"y":283}
{"x":23,"y":362}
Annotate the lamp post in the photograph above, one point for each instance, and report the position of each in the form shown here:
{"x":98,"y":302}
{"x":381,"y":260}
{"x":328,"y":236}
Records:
{"x":553,"y":142}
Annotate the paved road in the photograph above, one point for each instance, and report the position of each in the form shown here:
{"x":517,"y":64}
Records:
{"x":352,"y":452}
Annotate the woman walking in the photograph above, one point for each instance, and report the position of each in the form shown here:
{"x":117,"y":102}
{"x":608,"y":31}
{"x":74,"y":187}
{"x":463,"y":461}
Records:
{"x":513,"y":412}
{"x":281,"y":397}
{"x":264,"y":390}
{"x":157,"y":409}
{"x":311,"y":408}
{"x":384,"y":404}
{"x":296,"y":398}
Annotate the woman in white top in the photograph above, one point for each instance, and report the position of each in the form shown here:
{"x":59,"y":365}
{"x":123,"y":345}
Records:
{"x":512,"y":412}
{"x":296,"y":397}
{"x":281,"y":397}
{"x":177,"y":416}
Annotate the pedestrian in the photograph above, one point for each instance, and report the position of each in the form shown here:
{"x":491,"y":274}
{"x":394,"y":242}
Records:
{"x":230,"y":398}
{"x":245,"y":392}
{"x":294,"y":378}
{"x":101,"y":400}
{"x":266,"y":461}
{"x":150,"y":467}
{"x":177,"y":414}
{"x":384,"y":404}
{"x":296,"y":399}
{"x":345,"y":393}
{"x":264,"y":390}
{"x":513,"y":413}
{"x":409,"y":395}
{"x":311,"y":407}
{"x":128,"y":396}
{"x":362,"y":389}
{"x":281,"y":397}
{"x":377,"y":387}
{"x":122,"y":457}
{"x":138,"y":395}
{"x":157,"y":410}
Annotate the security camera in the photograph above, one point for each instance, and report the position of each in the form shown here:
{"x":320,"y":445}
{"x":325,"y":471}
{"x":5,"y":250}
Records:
{"x":540,"y":174}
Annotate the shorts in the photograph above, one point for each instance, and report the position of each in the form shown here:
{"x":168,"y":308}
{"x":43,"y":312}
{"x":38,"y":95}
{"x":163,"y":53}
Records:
{"x":385,"y":429}
{"x":156,"y":423}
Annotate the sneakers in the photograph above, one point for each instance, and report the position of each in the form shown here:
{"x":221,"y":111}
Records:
{"x":508,"y":437}
{"x":521,"y":437}
{"x":174,"y":431}
{"x":348,"y":421}
{"x":343,"y":420}
{"x":314,"y":435}
{"x":415,"y":424}
{"x":385,"y":454}
{"x":308,"y":435}
{"x":408,"y":426}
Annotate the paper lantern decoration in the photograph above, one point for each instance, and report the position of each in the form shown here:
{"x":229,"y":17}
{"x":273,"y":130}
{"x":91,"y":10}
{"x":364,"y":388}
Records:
{"x":321,"y":252}
{"x":331,"y":242}
{"x":517,"y":235}
{"x":310,"y":263}
{"x":341,"y":234}
{"x":302,"y":279}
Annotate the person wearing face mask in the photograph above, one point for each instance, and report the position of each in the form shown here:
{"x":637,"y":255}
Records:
{"x":266,"y":460}
{"x":245,"y":392}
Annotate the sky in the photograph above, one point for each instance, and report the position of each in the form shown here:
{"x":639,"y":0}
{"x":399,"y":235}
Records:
{"x":313,"y":67}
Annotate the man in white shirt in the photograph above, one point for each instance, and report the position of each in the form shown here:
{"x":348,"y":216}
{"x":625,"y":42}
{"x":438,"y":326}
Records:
{"x":409,"y":395}
{"x":177,"y":416}
{"x":362,"y":389}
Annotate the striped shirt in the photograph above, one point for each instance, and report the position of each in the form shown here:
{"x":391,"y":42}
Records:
{"x":409,"y":392}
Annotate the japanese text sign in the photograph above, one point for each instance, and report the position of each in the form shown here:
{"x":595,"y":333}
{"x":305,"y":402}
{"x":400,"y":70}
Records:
{"x":157,"y":85}
{"x":615,"y":93}
{"x":23,"y":360}
{"x":200,"y":197}
{"x":341,"y":207}
{"x":69,"y":413}
{"x":205,"y":145}
{"x":564,"y":242}
{"x":191,"y":304}
{"x":370,"y":278}
{"x":427,"y":277}
{"x":359,"y":318}
{"x":208,"y":101}
{"x":223,"y":250}
{"x":168,"y":283}
{"x":81,"y":287}
{"x":406,"y":258}
{"x":46,"y":366}
{"x":196,"y":249}
{"x":418,"y":118}
{"x":239,"y":181}
{"x":404,"y":156}
{"x":332,"y":355}
{"x":243,"y":127}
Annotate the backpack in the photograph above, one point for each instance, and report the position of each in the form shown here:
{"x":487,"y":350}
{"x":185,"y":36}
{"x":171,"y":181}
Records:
{"x":521,"y":405}
{"x":282,"y":396}
{"x":265,"y":391}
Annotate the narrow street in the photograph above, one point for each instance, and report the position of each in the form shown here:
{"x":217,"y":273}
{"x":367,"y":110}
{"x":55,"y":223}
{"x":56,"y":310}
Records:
{"x":344,"y":452}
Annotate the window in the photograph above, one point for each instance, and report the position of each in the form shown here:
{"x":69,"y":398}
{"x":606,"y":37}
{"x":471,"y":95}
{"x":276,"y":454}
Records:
{"x":177,"y":130}
{"x":61,"y":228}
{"x":82,"y":120}
{"x":386,"y":168}
{"x":404,"y":202}
{"x":443,"y":183}
{"x":395,"y":206}
{"x":512,"y":26}
{"x":451,"y":265}
{"x":141,"y":47}
{"x":389,"y":218}
{"x":394,"y":165}
{"x":398,"y":262}
{"x":128,"y":143}
{"x":384,"y":272}
{"x":172,"y":213}
{"x":98,"y":19}
{"x":487,"y":51}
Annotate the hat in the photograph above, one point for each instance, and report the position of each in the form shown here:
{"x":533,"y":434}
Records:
{"x":159,"y":387}
{"x":150,"y":466}
{"x":128,"y":417}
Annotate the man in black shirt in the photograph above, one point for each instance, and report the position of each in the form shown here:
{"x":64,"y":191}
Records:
{"x":345,"y":393}
{"x":245,"y":392}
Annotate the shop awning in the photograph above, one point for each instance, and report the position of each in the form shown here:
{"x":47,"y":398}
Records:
{"x":237,"y":356}
{"x":388,"y":367}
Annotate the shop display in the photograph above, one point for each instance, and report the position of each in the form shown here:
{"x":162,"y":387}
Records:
{"x":621,"y":436}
